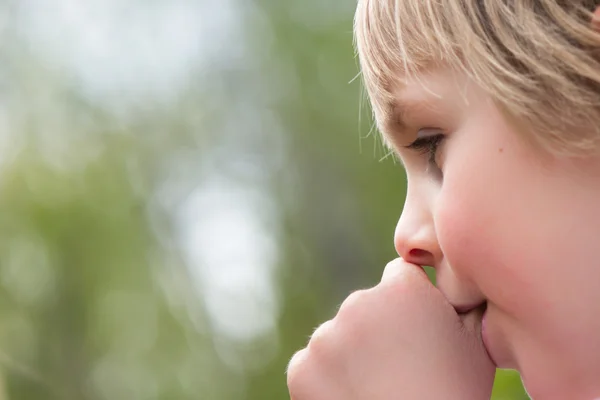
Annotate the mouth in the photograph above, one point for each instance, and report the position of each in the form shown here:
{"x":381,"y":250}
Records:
{"x":466,"y":309}
{"x":474,"y":319}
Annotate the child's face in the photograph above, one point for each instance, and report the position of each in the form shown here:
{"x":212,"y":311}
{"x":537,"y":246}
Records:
{"x":504,"y":224}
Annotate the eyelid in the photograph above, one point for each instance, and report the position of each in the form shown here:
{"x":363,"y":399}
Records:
{"x":425,"y":132}
{"x":425,"y":137}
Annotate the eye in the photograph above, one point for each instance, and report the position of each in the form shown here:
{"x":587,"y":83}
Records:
{"x":428,"y":145}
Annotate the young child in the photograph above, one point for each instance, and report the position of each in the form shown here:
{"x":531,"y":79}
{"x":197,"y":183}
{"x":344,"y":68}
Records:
{"x":493,"y":106}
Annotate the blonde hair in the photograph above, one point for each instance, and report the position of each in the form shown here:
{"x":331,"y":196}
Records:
{"x":539,"y":60}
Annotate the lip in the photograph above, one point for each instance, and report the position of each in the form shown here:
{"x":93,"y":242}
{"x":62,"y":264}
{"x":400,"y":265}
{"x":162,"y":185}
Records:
{"x":467,"y":308}
{"x":486,"y":339}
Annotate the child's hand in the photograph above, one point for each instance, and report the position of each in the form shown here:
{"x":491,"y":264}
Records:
{"x":398,"y":340}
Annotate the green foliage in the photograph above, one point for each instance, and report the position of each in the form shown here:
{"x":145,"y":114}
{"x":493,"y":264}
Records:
{"x":98,"y":297}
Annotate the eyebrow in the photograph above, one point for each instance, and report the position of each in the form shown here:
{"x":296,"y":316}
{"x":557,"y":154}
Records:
{"x":395,"y":123}
{"x":393,"y":126}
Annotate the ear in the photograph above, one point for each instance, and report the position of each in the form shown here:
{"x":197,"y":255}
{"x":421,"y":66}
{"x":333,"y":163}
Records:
{"x":596,"y":20}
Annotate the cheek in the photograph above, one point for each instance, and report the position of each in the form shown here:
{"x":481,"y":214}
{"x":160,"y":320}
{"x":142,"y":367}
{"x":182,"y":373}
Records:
{"x":480,"y":236}
{"x":468,"y":239}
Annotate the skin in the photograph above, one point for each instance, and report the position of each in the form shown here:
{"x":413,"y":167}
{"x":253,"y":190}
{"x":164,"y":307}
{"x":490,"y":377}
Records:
{"x":398,"y":340}
{"x":501,"y":222}
{"x":596,"y":20}
{"x":515,"y":227}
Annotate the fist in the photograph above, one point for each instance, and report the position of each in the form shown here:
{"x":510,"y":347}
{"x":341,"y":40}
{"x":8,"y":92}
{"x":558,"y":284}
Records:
{"x":398,"y":340}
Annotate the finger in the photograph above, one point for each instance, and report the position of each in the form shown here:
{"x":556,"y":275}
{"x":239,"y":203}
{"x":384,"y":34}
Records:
{"x":297,"y":371}
{"x":392,"y":270}
{"x":397,"y":268}
{"x":310,"y":379}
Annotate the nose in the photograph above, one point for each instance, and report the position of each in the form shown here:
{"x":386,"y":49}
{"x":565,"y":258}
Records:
{"x":415,"y":237}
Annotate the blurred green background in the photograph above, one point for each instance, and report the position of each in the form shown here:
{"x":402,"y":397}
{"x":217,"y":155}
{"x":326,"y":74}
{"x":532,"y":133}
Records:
{"x":187,"y":189}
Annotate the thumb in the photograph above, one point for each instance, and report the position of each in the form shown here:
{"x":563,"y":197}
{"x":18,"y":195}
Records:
{"x":399,"y":267}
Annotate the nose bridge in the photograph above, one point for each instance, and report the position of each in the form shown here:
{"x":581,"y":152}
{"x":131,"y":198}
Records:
{"x":415,"y":238}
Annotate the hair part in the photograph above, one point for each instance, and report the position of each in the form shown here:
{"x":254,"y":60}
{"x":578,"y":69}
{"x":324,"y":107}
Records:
{"x":539,"y":60}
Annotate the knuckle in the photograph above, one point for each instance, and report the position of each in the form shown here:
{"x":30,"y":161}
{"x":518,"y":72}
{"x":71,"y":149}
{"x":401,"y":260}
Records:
{"x":322,"y":339}
{"x":354,"y":305}
{"x":297,"y":370}
{"x":303,"y":371}
{"x":356,"y":316}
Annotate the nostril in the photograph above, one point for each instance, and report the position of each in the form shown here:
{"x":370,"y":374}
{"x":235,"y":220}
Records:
{"x":418,"y":253}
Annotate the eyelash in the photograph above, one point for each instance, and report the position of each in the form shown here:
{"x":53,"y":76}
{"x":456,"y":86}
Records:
{"x":428,"y":145}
